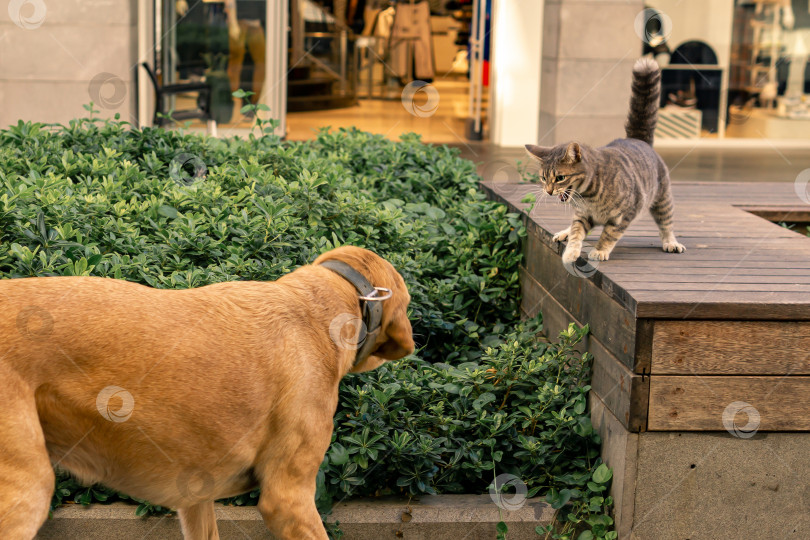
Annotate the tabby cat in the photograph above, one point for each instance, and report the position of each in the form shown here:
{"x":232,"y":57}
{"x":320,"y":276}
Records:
{"x":611,"y":184}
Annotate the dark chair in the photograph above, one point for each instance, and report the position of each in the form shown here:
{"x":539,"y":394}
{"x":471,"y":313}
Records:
{"x":203,"y":110}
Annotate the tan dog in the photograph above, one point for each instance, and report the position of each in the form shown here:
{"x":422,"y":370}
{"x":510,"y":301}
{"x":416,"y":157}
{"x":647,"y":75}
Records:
{"x":181,"y":397}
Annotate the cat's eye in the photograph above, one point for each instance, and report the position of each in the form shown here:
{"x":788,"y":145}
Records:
{"x":561,"y":178}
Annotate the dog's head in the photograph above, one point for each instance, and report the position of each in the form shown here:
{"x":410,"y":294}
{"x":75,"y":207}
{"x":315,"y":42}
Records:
{"x":395,"y":339}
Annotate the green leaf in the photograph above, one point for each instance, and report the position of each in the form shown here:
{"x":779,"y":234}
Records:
{"x":338,"y":455}
{"x":167,"y":211}
{"x":482,"y":400}
{"x":602,"y":474}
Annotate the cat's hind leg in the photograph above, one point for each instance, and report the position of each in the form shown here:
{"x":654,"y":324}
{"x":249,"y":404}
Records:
{"x":662,"y":211}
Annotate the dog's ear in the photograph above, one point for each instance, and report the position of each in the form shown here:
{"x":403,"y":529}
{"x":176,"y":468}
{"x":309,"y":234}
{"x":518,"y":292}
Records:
{"x":396,"y":341}
{"x":400,"y":336}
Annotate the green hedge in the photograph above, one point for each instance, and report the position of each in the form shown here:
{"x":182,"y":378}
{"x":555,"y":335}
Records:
{"x":175,"y":210}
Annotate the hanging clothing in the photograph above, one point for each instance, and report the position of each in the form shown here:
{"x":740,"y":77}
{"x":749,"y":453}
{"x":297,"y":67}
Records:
{"x":411,"y":38}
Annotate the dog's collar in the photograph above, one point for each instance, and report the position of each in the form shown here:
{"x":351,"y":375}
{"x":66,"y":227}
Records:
{"x":371,"y":307}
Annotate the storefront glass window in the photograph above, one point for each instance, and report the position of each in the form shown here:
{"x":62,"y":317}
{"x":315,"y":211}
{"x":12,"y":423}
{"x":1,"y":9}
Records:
{"x":733,"y":68}
{"x":221,"y":42}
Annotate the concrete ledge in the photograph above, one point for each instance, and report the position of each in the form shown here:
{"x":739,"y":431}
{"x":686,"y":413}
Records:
{"x":451,"y":517}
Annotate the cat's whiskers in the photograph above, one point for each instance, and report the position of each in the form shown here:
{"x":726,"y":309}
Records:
{"x":577,"y":201}
{"x":541,"y":197}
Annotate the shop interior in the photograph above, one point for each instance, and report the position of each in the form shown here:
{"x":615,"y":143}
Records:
{"x":739,"y":70}
{"x":381,"y":66}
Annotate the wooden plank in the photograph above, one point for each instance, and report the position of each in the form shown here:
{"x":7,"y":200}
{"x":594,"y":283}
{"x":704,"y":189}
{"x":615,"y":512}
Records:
{"x":611,"y":322}
{"x":620,"y":452}
{"x":697,"y":403}
{"x":619,"y":265}
{"x":624,"y":393}
{"x":730,"y":257}
{"x":779,"y":213}
{"x":700,"y":240}
{"x":752,"y":193}
{"x":645,"y":330}
{"x":730,"y":347}
{"x":631,"y":272}
{"x":716,"y":305}
{"x":760,"y":239}
{"x":721,"y":285}
{"x":714,"y":277}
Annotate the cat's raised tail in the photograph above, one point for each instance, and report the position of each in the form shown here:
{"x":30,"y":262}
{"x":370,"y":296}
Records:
{"x":644,"y":100}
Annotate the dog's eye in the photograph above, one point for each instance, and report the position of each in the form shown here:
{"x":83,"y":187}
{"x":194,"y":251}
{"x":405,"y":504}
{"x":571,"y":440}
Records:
{"x":560,"y":178}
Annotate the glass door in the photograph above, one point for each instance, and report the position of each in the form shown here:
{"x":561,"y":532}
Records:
{"x":227,"y":45}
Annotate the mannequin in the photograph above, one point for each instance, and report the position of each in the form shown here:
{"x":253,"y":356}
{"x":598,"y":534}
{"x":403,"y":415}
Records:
{"x":796,"y":21}
{"x":245,"y":33}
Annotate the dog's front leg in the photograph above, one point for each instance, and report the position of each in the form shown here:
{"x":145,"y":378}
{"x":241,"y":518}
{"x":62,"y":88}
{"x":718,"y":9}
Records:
{"x":288,"y":480}
{"x":287,"y":504}
{"x":199,"y":522}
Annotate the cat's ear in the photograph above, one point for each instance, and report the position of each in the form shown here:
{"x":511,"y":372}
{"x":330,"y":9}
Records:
{"x":573,"y":154}
{"x":538,"y":152}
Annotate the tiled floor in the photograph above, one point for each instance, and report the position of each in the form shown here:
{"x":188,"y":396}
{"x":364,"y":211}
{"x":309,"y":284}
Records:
{"x":439,"y":116}
{"x":704,"y":164}
{"x":438,"y":113}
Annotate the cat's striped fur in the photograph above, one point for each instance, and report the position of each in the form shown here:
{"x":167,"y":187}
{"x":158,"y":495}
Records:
{"x":612,"y":184}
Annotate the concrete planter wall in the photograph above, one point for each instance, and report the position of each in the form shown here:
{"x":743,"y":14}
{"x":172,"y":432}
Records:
{"x":451,"y":517}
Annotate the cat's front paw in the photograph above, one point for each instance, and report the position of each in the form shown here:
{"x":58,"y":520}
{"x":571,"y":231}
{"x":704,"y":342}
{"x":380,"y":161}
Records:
{"x":570,"y":256}
{"x":561,"y":236}
{"x":599,"y":255}
{"x":673,"y":247}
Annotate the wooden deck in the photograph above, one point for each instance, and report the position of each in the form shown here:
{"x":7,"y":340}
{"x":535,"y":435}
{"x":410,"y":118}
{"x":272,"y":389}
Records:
{"x":676,"y":338}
